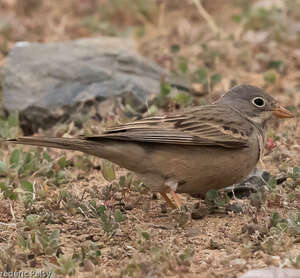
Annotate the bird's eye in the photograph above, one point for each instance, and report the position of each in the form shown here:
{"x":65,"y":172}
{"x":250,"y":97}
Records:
{"x":258,"y":101}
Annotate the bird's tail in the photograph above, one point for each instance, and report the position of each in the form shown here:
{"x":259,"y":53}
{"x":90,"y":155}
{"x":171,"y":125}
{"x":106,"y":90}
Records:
{"x":76,"y":144}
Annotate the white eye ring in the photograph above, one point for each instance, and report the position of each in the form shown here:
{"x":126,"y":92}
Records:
{"x":259,"y":102}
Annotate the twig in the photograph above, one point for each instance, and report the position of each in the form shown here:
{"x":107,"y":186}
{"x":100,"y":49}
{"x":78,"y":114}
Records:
{"x":211,"y":23}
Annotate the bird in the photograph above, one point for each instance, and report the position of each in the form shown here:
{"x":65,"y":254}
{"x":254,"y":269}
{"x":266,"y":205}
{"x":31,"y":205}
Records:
{"x":193,"y":151}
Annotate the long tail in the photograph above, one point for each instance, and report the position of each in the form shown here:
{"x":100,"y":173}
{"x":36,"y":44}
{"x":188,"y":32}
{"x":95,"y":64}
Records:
{"x":76,"y":144}
{"x":113,"y":150}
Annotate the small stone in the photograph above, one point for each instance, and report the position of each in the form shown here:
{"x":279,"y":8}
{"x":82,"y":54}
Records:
{"x":272,"y":272}
{"x":281,"y":180}
{"x":238,"y":262}
{"x":250,"y":228}
{"x":203,"y":266}
{"x":199,"y":212}
{"x":128,"y":207}
{"x":96,"y":238}
{"x":88,"y":266}
{"x":255,"y":200}
{"x":234,"y":208}
{"x":118,"y":196}
{"x":209,"y":259}
{"x":163,"y":208}
{"x":154,"y":196}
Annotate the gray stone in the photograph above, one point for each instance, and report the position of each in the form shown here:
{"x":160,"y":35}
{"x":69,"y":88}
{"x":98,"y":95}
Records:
{"x":257,"y":179}
{"x":272,"y":272}
{"x":47,"y":83}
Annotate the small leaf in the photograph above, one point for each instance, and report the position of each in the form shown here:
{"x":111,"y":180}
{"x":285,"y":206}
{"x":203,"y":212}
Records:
{"x":275,"y":219}
{"x":275,"y":64}
{"x":201,"y":76}
{"x":118,"y":216}
{"x":62,"y":162}
{"x":183,"y":64}
{"x":212,"y":195}
{"x":15,"y":158}
{"x":27,"y":186}
{"x":108,"y":171}
{"x":165,"y":89}
{"x":270,"y":76}
{"x":47,"y":156}
{"x":122,"y":181}
{"x":13,"y":120}
{"x":236,"y":18}
{"x":3,"y":168}
{"x":175,"y":48}
{"x":215,"y":78}
{"x":146,"y":235}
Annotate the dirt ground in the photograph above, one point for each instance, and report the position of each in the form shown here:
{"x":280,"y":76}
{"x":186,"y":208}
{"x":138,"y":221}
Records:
{"x":74,"y":215}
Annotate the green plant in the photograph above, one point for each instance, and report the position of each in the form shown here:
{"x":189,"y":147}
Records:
{"x":295,"y":262}
{"x":110,"y":219}
{"x":9,"y":127}
{"x":66,"y":266}
{"x":214,"y":198}
{"x":88,"y":251}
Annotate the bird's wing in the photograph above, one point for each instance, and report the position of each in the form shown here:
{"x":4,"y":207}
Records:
{"x":209,"y":125}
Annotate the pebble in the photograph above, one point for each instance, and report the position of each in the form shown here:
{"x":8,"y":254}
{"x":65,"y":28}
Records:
{"x":88,"y":266}
{"x":203,"y":266}
{"x":238,"y":262}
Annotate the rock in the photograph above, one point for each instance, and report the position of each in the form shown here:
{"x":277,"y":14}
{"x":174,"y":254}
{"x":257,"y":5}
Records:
{"x":256,"y":37}
{"x":47,"y":83}
{"x":256,"y":179}
{"x":199,"y":212}
{"x":272,"y":272}
{"x":269,"y":5}
{"x":238,"y":262}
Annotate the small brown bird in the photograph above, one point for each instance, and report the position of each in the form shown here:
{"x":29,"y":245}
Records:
{"x":202,"y":148}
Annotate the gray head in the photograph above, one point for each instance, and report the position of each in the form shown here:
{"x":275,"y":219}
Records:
{"x":257,"y":105}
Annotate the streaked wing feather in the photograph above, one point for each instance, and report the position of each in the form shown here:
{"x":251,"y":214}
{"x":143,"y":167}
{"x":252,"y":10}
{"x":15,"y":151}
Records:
{"x":193,"y":127}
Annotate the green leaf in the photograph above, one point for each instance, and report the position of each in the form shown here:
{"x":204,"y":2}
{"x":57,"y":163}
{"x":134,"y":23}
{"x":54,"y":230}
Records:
{"x":15,"y":158}
{"x":146,"y":235}
{"x":275,"y":219}
{"x":270,"y":77}
{"x":122,"y":181}
{"x":27,"y":186}
{"x":28,"y":157}
{"x":32,"y":220}
{"x":108,"y":171}
{"x":175,"y":48}
{"x":275,"y":64}
{"x":47,"y":156}
{"x":62,"y":162}
{"x":3,"y":186}
{"x":118,"y":216}
{"x":165,"y":89}
{"x":212,"y":195}
{"x":3,"y":168}
{"x":183,"y":64}
{"x":236,"y":18}
{"x":201,"y":76}
{"x":13,"y":120}
{"x":215,"y":78}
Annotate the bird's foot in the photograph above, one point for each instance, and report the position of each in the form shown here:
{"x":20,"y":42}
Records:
{"x":169,"y":202}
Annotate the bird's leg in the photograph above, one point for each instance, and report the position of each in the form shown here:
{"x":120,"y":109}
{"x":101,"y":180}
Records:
{"x":167,"y":199}
{"x":172,"y":185}
{"x":176,"y":199}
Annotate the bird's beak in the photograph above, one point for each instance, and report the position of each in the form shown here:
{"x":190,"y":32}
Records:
{"x":281,"y":112}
